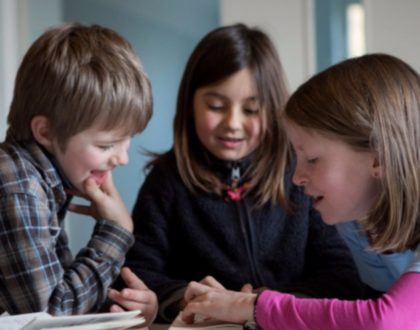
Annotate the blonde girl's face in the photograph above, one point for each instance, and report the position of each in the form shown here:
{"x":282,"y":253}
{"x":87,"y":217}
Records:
{"x":343,"y":182}
{"x":227,"y":116}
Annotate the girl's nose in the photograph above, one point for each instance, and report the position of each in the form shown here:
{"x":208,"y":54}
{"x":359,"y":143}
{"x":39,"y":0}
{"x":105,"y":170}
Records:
{"x":233,"y":118}
{"x":299,"y":178}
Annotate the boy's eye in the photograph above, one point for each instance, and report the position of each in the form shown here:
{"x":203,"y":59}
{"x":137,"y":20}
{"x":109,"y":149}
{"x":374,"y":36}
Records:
{"x":105,"y":147}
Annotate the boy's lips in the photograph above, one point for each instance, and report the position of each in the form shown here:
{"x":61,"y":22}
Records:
{"x":99,"y":176}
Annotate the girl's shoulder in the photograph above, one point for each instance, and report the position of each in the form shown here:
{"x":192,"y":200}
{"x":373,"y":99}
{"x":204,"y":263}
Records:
{"x":415,"y":264}
{"x":163,"y":169}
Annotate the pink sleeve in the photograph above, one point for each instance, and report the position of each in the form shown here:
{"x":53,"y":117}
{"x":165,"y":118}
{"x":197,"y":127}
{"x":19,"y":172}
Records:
{"x":397,"y":309}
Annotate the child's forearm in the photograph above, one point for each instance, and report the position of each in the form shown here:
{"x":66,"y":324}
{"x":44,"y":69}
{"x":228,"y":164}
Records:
{"x":397,"y":309}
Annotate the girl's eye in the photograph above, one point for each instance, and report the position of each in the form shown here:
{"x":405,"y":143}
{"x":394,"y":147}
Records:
{"x":215,"y":107}
{"x":312,"y":160}
{"x":251,"y":111}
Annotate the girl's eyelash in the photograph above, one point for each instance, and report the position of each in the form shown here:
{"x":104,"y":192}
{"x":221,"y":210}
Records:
{"x":252,"y":111}
{"x":312,"y":160}
{"x":215,"y":107}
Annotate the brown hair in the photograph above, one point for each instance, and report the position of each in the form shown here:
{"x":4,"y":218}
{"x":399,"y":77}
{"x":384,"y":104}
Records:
{"x":373,"y":103}
{"x":79,"y":76}
{"x":221,"y":53}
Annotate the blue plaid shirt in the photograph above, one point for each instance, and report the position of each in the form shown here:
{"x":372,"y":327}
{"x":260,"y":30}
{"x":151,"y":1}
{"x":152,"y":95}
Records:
{"x":37,"y":270}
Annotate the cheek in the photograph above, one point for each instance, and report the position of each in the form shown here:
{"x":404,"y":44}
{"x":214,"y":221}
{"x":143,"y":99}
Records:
{"x":255,"y":129}
{"x":89,"y":160}
{"x":204,"y":126}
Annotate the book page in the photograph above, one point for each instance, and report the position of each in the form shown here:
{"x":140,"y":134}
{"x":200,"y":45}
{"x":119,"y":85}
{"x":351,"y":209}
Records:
{"x":201,"y":323}
{"x":17,"y":322}
{"x":73,"y":320}
{"x":110,"y":325}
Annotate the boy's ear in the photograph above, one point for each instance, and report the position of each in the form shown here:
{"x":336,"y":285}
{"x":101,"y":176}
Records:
{"x":40,"y":127}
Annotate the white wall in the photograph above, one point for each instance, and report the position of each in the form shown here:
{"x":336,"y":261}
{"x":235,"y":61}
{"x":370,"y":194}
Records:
{"x":290,"y":25}
{"x":21,"y":21}
{"x":391,"y":26}
{"x":394,"y":27}
{"x":8,"y":57}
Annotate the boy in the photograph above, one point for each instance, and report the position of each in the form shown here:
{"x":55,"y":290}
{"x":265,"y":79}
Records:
{"x":80,"y":95}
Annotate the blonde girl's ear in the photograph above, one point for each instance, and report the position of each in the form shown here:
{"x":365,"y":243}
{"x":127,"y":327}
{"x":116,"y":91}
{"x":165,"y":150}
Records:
{"x":376,"y":169}
{"x":40,"y":127}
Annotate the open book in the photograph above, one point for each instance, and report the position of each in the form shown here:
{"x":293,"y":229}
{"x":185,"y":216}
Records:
{"x":45,"y":321}
{"x":201,"y":323}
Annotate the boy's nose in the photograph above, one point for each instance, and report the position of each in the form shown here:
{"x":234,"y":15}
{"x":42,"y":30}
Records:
{"x":120,"y":159}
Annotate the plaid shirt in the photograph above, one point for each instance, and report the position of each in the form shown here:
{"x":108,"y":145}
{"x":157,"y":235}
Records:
{"x":37,"y":270}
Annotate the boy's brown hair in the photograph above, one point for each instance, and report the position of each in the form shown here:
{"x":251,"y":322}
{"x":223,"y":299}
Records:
{"x":80,"y":76}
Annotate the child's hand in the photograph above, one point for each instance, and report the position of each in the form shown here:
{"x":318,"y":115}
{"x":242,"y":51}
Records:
{"x":217,"y":303}
{"x":106,"y":203}
{"x":212,"y":282}
{"x":136,"y":296}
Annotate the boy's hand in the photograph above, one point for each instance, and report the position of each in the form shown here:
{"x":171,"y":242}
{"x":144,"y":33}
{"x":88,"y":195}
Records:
{"x":106,"y":203}
{"x":136,"y":296}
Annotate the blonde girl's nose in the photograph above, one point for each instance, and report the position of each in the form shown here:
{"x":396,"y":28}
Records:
{"x":299,"y":178}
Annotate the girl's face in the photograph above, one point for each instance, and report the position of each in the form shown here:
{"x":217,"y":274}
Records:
{"x":343,"y":182}
{"x":227,"y":116}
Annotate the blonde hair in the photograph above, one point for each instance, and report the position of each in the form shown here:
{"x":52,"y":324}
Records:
{"x":373,"y":103}
{"x":221,"y":53}
{"x":79,"y":76}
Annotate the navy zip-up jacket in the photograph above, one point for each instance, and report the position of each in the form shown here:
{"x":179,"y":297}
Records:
{"x":181,"y":236}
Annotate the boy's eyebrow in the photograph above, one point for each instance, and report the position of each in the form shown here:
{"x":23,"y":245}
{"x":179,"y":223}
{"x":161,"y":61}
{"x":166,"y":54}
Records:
{"x":112,"y":139}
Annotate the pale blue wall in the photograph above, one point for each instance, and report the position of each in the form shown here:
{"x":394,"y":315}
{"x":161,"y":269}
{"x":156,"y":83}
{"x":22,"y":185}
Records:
{"x":331,"y":31}
{"x":163,"y":33}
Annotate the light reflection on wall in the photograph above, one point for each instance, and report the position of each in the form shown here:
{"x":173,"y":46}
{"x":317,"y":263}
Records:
{"x":356,"y":37}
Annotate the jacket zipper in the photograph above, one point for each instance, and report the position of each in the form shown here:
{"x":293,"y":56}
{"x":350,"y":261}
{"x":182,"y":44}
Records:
{"x":247,"y":231}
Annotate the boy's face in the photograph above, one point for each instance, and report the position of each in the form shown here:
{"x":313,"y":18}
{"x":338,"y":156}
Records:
{"x":342,"y":181}
{"x":91,"y":153}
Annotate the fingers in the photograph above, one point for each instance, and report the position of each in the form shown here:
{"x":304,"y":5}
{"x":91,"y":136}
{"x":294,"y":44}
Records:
{"x":132,"y":280}
{"x":108,"y":186}
{"x":247,"y":288}
{"x":188,"y":315}
{"x":195,"y":289}
{"x":116,"y":309}
{"x":93,"y":191}
{"x":132,"y":299}
{"x":212,"y":282}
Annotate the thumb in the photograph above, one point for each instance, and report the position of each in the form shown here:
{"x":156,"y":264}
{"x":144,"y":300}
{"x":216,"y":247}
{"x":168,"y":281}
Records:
{"x":132,"y":280}
{"x":247,"y":288}
{"x":92,"y":190}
